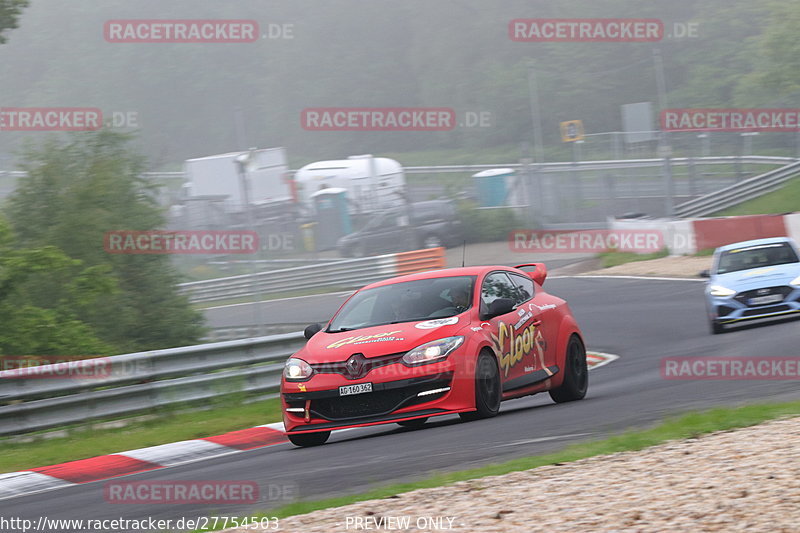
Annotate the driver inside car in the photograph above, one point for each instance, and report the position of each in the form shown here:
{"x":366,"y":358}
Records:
{"x":460,"y":298}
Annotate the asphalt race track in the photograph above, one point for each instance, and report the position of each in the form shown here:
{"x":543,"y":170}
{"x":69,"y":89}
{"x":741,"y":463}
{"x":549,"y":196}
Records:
{"x":639,"y":320}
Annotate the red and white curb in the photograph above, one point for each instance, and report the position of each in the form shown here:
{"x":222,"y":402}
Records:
{"x":62,"y":475}
{"x":598,"y":359}
{"x":142,"y":460}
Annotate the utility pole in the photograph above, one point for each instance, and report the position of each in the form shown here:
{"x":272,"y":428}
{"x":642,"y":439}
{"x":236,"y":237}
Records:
{"x":536,"y":116}
{"x":664,"y":147}
{"x":538,"y":150}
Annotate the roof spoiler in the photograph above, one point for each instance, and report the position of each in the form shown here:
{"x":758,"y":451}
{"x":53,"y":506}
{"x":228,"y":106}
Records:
{"x":538,"y":274}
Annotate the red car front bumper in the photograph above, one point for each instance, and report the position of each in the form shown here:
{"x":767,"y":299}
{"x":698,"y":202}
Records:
{"x":398,"y":393}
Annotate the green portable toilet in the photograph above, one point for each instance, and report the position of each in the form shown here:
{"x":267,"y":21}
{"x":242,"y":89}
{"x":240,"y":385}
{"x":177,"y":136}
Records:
{"x":333,"y":218}
{"x":491,"y":186}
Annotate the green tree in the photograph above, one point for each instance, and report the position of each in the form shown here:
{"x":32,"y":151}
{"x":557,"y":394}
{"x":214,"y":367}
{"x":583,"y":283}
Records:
{"x":10,"y":11}
{"x":35,"y":322}
{"x":75,"y":192}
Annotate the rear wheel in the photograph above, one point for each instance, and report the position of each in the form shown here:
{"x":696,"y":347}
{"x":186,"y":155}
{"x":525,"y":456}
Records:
{"x":576,"y":374}
{"x":309,"y":439}
{"x":416,"y":423}
{"x":487,"y":389}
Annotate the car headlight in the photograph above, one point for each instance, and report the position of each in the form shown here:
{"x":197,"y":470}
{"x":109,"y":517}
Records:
{"x":719,"y":290}
{"x":795,"y":282}
{"x":297,"y":370}
{"x":433,"y":351}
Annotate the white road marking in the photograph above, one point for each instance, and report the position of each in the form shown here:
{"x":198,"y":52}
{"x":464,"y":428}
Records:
{"x":609,"y":276}
{"x":540,"y":439}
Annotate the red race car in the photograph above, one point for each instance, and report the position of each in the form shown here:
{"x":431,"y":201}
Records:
{"x":458,"y":340}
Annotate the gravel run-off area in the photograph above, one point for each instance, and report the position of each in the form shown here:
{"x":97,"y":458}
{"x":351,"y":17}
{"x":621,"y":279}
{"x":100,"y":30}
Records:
{"x":741,"y":480}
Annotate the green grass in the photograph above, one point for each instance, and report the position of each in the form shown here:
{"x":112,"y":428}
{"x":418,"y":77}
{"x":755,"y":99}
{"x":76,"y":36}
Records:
{"x":690,"y":425}
{"x":82,"y":442}
{"x":610,"y":259}
{"x":785,"y":200}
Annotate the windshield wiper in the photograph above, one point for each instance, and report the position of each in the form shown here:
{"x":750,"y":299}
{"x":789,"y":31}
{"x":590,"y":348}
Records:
{"x":410,"y":320}
{"x":340,"y":330}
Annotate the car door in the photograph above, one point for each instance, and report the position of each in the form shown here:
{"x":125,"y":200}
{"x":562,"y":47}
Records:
{"x":512,"y":333}
{"x":542,"y":307}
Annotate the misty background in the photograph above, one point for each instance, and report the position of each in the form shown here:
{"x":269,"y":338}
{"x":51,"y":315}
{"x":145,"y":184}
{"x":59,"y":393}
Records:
{"x":385,"y":53}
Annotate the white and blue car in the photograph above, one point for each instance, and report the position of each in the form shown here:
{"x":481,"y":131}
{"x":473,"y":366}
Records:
{"x":751,"y":280}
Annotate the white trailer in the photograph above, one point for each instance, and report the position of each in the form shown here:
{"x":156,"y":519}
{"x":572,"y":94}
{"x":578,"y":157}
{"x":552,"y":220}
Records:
{"x":218,"y":175}
{"x":371,"y":183}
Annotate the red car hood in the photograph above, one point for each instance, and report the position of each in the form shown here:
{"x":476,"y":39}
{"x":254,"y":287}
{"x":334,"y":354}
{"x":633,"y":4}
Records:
{"x":379,"y":340}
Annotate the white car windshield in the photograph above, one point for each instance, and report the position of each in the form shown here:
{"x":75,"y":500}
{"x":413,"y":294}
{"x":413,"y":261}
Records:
{"x":762,"y":255}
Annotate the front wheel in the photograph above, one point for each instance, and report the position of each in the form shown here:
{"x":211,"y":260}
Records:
{"x":309,"y":439}
{"x":716,"y":327}
{"x":487,"y":390}
{"x":576,"y":374}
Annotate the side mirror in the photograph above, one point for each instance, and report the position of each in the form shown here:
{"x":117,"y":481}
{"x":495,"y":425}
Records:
{"x":312,"y":330}
{"x":705,"y":274}
{"x":501,"y":306}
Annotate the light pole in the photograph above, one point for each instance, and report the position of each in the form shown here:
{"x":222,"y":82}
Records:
{"x":243,"y":162}
{"x":664,"y":148}
{"x":538,"y":150}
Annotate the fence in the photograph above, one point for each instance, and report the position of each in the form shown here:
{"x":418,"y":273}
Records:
{"x":345,"y":274}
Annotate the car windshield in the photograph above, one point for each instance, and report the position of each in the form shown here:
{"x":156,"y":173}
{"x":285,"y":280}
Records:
{"x":762,"y":255}
{"x":408,"y":301}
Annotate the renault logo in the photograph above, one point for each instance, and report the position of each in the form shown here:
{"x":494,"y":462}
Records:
{"x":355,"y":365}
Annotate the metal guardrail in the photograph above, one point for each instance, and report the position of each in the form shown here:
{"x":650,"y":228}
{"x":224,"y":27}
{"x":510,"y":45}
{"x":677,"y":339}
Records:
{"x":344,"y":274}
{"x":739,"y":192}
{"x":605,"y":165}
{"x":550,"y":167}
{"x":137,"y":382}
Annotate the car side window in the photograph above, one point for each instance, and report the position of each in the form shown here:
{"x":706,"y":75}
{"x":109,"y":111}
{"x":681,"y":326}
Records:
{"x":525,"y":287}
{"x":497,"y":285}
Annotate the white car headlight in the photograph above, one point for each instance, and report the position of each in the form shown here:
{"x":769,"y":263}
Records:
{"x":795,"y":282}
{"x":719,"y":290}
{"x":433,"y":351}
{"x":297,"y":370}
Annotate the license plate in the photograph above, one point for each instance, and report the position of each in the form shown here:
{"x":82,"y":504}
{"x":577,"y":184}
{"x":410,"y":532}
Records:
{"x":764,"y":300}
{"x":360,"y":388}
